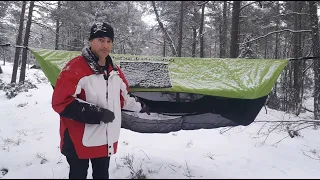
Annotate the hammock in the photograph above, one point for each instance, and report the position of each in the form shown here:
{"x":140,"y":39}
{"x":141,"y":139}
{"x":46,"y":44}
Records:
{"x":185,"y":93}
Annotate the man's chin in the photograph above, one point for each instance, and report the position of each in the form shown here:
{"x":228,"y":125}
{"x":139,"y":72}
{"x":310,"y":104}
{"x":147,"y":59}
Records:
{"x":105,"y":54}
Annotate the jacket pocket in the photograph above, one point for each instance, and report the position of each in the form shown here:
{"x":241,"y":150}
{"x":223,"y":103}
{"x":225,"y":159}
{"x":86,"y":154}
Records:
{"x":95,"y":135}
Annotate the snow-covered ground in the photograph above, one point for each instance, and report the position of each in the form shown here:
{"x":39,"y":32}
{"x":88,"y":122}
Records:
{"x":29,"y":145}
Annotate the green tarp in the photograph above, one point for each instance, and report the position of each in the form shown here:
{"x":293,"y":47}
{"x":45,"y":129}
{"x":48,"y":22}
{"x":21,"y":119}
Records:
{"x":234,"y":78}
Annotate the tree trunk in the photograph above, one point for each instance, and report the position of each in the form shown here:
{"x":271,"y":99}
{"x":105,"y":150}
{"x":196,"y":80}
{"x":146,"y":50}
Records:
{"x":4,"y":57}
{"x":69,"y":39}
{"x":194,"y":41}
{"x":18,"y":42}
{"x":0,"y":70}
{"x":56,"y":47}
{"x":273,"y":94}
{"x":265,"y":47}
{"x":297,"y":65}
{"x":223,"y":32}
{"x":25,"y":44}
{"x":164,"y":46}
{"x":180,"y":29}
{"x":277,"y":34}
{"x":316,"y":53}
{"x":201,"y":32}
{"x":194,"y":33}
{"x":234,"y":47}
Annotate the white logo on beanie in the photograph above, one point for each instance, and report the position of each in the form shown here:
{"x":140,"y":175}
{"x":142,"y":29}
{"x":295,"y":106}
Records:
{"x":99,"y":27}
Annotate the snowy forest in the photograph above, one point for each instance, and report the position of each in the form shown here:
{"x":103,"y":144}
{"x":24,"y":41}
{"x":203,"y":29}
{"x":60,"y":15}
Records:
{"x":200,"y":29}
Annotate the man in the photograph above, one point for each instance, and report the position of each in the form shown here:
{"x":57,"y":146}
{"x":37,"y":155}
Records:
{"x":89,"y":95}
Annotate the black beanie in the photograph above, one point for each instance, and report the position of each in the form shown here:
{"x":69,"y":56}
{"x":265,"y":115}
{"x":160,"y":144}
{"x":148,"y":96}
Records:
{"x":100,"y":29}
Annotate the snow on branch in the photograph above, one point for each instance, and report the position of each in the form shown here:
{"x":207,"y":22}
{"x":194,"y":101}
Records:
{"x":298,"y":121}
{"x":291,"y":13}
{"x":311,"y":153}
{"x":293,"y":128}
{"x":44,"y":26}
{"x":203,"y":3}
{"x":273,"y":32}
{"x":250,"y":4}
{"x":163,"y":28}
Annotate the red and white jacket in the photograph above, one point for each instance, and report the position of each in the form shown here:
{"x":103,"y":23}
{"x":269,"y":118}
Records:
{"x":80,"y":96}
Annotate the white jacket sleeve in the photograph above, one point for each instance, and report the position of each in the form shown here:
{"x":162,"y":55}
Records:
{"x":130,"y":103}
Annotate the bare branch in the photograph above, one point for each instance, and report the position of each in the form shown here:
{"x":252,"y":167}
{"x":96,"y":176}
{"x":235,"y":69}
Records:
{"x":313,"y":152}
{"x":307,"y":67}
{"x":43,"y":7}
{"x":157,"y":39}
{"x":70,"y":46}
{"x":306,"y":121}
{"x":223,"y":131}
{"x":291,"y":13}
{"x":276,"y":143}
{"x":163,"y":29}
{"x":160,"y":44}
{"x":171,"y":167}
{"x":144,"y":154}
{"x":203,"y":3}
{"x":249,"y":5}
{"x":283,"y":30}
{"x":44,"y":26}
{"x":305,"y":127}
{"x":269,"y":132}
{"x":307,"y":109}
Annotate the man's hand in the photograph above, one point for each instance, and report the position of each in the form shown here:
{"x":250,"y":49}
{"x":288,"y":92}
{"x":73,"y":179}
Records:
{"x":144,"y":107}
{"x":107,"y":116}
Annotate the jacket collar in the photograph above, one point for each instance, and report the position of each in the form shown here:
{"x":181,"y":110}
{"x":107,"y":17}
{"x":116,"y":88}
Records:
{"x":92,"y":61}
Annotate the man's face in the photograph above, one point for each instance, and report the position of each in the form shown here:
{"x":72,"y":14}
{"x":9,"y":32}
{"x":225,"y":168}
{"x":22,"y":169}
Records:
{"x":101,"y":46}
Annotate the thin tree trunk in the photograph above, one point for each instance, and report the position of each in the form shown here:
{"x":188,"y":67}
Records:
{"x":284,"y":53}
{"x":201,"y":32}
{"x":69,"y":39}
{"x":234,"y":47}
{"x":56,"y":47}
{"x":277,"y":34}
{"x":274,"y":95}
{"x":164,"y":46}
{"x":194,"y":41}
{"x":265,"y":48}
{"x":223,"y":32}
{"x":194,"y":33}
{"x":180,"y":29}
{"x":297,"y":52}
{"x":25,"y":44}
{"x":18,"y":42}
{"x":316,"y":53}
{"x":4,"y":57}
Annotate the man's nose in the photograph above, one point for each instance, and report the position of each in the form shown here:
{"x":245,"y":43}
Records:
{"x":105,"y":44}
